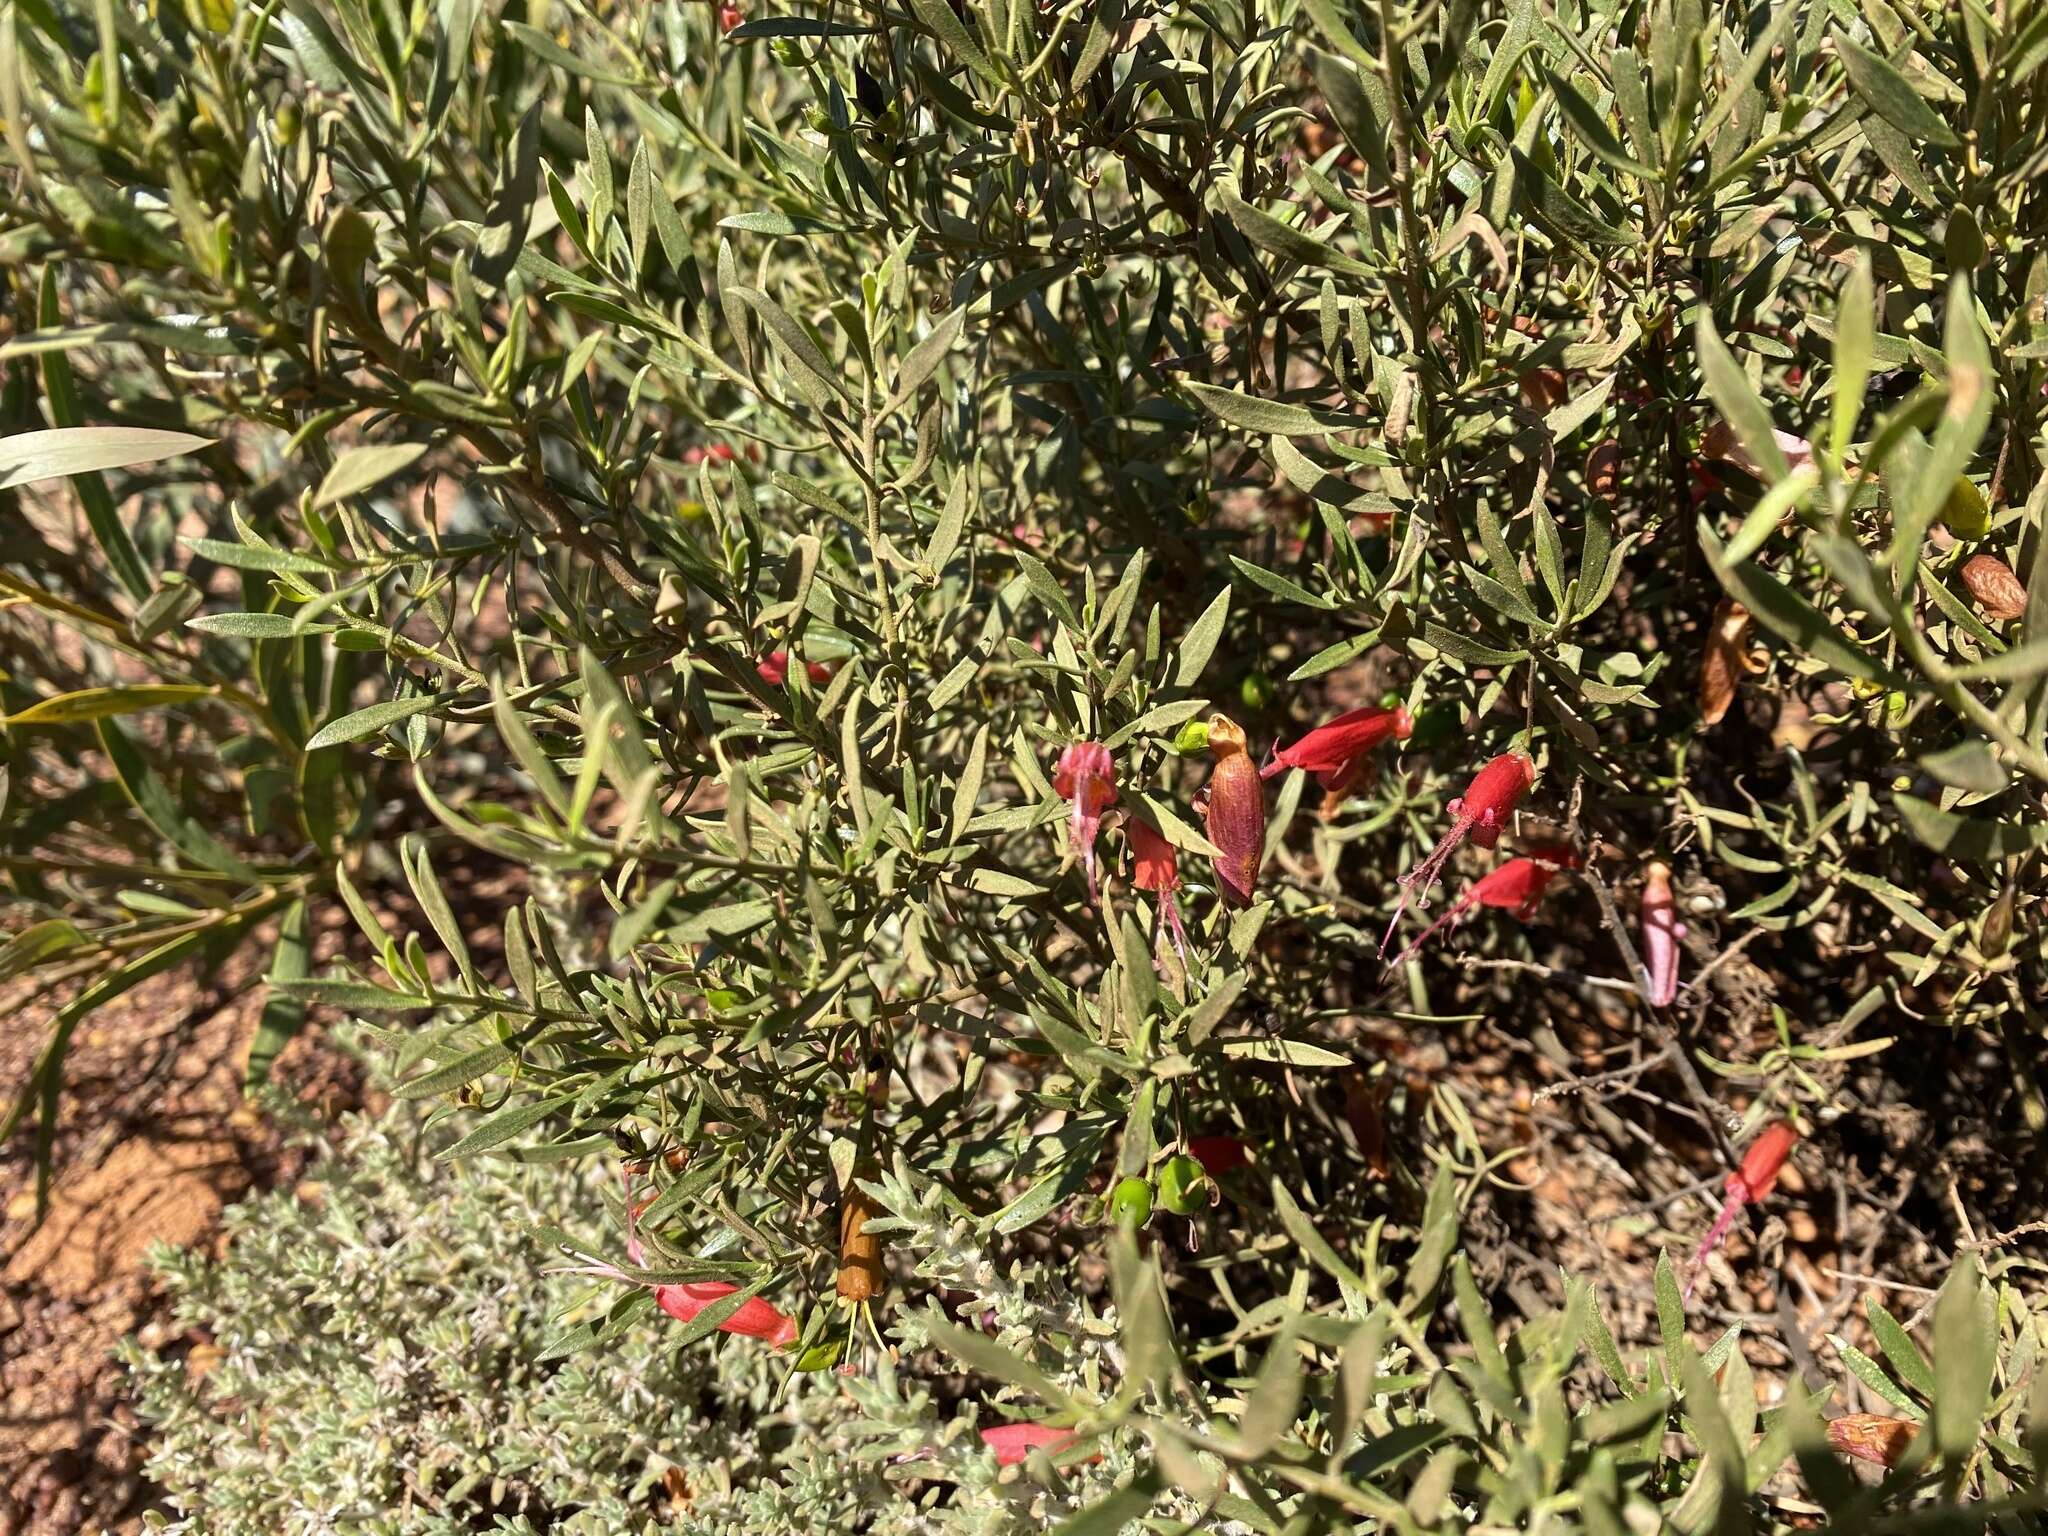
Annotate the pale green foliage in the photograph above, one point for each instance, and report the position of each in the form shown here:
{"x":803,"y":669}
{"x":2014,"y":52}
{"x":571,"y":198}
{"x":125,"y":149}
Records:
{"x":707,"y":478}
{"x":383,"y":1366}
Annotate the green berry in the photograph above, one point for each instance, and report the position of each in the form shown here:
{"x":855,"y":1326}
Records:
{"x":1183,"y":1187}
{"x":1130,"y":1203}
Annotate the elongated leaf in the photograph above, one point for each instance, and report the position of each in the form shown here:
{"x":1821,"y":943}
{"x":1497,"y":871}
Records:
{"x":496,"y":1130}
{"x":1591,"y":129}
{"x":1199,"y":643}
{"x":100,"y":703}
{"x":28,"y":457}
{"x":1890,"y":95}
{"x":283,"y":1015}
{"x":1738,"y":403}
{"x":979,"y":1352}
{"x":1560,"y":213}
{"x":1284,"y":240}
{"x":449,"y":1076}
{"x":1273,"y":417}
{"x":1966,"y":1346}
{"x":1786,"y":614}
{"x":367,"y":722}
{"x":925,"y":358}
{"x":938,"y":16}
{"x":363,"y":468}
{"x":1965,"y":837}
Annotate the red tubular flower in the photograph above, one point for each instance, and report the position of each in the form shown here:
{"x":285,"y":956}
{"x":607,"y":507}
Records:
{"x":730,"y":16}
{"x":1236,"y":812}
{"x":755,"y":1318}
{"x":1086,"y":775}
{"x":1752,"y":1182}
{"x":774,"y":670}
{"x":1661,"y":933}
{"x":1761,"y":1164}
{"x":1480,"y":814}
{"x":1516,"y":886}
{"x":1013,"y":1443}
{"x":1219,"y":1155}
{"x":1158,"y":871}
{"x":1333,"y":751}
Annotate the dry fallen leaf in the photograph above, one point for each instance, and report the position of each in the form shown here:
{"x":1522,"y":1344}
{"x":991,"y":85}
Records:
{"x":1603,"y":469}
{"x":1362,"y":1108}
{"x":1997,"y":591}
{"x":1726,"y":659}
{"x":1871,"y":1437}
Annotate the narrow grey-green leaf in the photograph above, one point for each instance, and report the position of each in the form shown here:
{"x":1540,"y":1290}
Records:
{"x":365,"y":722}
{"x":363,"y":468}
{"x":1891,"y":95}
{"x":1199,"y":643}
{"x":55,"y":452}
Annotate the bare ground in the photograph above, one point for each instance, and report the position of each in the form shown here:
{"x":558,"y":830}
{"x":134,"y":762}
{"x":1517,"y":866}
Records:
{"x":155,"y":1139}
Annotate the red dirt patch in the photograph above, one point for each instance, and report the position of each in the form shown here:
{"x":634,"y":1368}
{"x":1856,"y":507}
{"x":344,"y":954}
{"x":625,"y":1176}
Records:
{"x":154,"y":1139}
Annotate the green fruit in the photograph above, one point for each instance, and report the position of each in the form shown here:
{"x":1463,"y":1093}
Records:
{"x":1183,"y":1188}
{"x":1193,"y":739}
{"x":1130,"y":1203}
{"x":1966,"y":514}
{"x":1256,"y":691}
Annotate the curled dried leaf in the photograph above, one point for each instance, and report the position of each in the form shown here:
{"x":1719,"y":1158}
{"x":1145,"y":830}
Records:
{"x":1994,"y":586}
{"x":1364,"y":1111}
{"x":1726,"y":659}
{"x":1871,"y":1437}
{"x":860,"y":1251}
{"x":1603,"y":469}
{"x":1720,"y":442}
{"x":1543,"y":389}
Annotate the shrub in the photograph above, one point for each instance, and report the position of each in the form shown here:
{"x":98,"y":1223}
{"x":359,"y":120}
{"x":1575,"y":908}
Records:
{"x":378,"y":1352}
{"x":376,"y":1357}
{"x":816,"y":495}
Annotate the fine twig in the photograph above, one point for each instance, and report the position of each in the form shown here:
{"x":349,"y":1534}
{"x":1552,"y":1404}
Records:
{"x":1602,"y":1079}
{"x":1681,"y":1056}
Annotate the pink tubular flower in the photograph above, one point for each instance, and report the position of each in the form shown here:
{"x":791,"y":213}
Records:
{"x":1747,"y":1185}
{"x":1013,"y":1443}
{"x":755,"y":1318}
{"x":774,"y":670}
{"x":1480,"y":814}
{"x":1086,"y":775}
{"x":1516,"y":886}
{"x":1333,"y":750}
{"x":1158,"y":871}
{"x":1661,"y":933}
